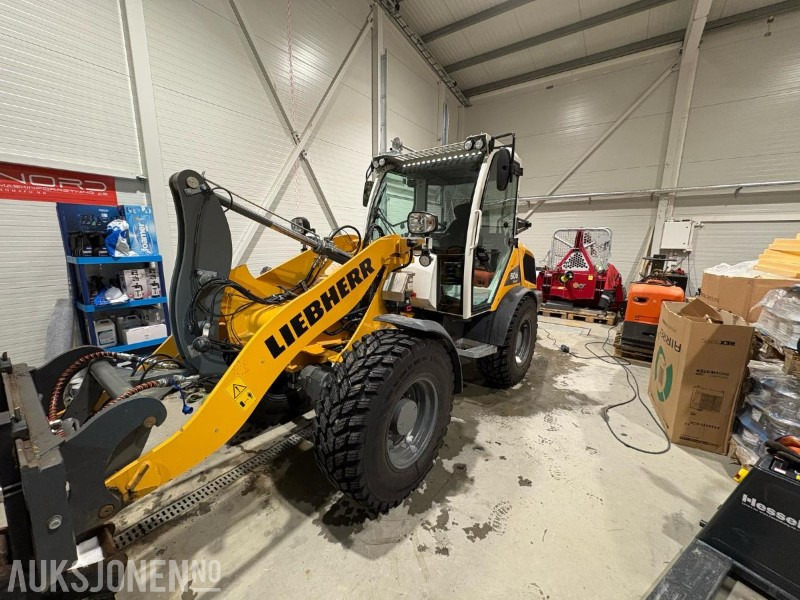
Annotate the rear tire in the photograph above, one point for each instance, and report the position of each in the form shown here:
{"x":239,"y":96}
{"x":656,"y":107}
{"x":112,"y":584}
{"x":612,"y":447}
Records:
{"x":510,"y":363}
{"x":382,"y":418}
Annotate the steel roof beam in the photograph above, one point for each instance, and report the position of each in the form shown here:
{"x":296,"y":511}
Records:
{"x":549,"y":36}
{"x":471,"y":20}
{"x":662,"y":40}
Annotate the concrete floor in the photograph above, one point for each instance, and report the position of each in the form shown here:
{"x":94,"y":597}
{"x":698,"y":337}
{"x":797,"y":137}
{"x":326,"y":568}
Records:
{"x":531,"y":497}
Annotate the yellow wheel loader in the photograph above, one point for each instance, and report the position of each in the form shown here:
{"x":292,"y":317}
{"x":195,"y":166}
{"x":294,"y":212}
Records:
{"x":370,"y":326}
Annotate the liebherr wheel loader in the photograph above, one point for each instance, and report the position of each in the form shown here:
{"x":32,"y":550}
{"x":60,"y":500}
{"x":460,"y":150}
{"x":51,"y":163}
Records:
{"x":371,"y":327}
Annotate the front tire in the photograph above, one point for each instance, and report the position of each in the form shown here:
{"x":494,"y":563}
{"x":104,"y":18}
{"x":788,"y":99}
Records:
{"x":509,"y":364}
{"x":382,"y":419}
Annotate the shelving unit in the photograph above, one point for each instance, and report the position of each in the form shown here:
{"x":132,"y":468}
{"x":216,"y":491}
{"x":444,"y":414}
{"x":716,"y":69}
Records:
{"x":81,"y":268}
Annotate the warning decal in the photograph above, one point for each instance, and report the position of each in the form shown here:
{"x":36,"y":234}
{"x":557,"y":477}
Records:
{"x":240,"y":392}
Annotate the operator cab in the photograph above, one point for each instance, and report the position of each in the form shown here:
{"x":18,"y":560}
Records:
{"x":471,"y":190}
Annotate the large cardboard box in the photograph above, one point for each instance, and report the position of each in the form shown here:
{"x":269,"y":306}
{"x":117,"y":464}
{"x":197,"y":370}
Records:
{"x":698,"y":367}
{"x":739,"y":295}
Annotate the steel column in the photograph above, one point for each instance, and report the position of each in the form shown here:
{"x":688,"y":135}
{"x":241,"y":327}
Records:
{"x":379,"y":80}
{"x":133,"y":25}
{"x":680,"y":116}
{"x":272,"y":198}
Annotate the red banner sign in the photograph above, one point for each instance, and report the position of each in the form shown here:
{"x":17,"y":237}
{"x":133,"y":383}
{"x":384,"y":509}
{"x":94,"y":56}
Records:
{"x":21,"y":182}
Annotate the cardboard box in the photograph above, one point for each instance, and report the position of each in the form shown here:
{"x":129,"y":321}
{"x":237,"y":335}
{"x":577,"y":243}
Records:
{"x":739,"y":295}
{"x":144,"y":333}
{"x":697,"y":371}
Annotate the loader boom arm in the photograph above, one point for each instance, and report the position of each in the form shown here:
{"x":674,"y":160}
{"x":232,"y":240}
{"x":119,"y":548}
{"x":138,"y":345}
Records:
{"x":284,"y":332}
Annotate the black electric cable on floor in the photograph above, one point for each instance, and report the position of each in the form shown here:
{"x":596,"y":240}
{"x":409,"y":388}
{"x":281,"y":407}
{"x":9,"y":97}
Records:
{"x":632,"y":383}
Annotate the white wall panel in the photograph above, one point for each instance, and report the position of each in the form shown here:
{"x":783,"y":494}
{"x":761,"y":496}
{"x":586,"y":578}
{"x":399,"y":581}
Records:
{"x":65,"y":97}
{"x":34,"y":276}
{"x":411,"y":94}
{"x":737,"y":228}
{"x":556,"y":126}
{"x":65,"y":100}
{"x":744,"y":123}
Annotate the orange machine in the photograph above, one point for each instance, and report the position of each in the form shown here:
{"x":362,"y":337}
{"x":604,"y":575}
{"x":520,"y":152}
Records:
{"x":644,"y":308}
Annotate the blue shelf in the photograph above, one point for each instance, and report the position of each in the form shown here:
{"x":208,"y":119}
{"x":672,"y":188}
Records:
{"x":110,"y":260}
{"x":90,"y":308}
{"x":136,"y":346}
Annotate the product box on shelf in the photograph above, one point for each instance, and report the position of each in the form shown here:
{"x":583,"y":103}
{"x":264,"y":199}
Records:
{"x":134,"y":283}
{"x":135,"y":335}
{"x":153,"y":281}
{"x":142,"y":229}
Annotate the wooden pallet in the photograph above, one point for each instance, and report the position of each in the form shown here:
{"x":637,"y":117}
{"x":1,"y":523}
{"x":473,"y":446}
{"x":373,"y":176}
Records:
{"x":579,"y":314}
{"x":631,"y":352}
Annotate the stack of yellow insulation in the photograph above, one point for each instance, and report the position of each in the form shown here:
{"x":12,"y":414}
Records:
{"x":781,"y":258}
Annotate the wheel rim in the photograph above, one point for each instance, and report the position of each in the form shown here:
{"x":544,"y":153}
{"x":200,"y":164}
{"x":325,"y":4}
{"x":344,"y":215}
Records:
{"x":522,"y":346}
{"x":412,"y":423}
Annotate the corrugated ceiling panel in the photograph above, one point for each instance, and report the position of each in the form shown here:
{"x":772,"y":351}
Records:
{"x":627,"y":30}
{"x":552,"y":53}
{"x":591,"y":8}
{"x":498,"y":31}
{"x":507,"y":66}
{"x":669,"y":17}
{"x":545,"y":15}
{"x":472,"y":76}
{"x":66,"y":97}
{"x":452,"y":48}
{"x":465,"y":8}
{"x":426,"y":15}
{"x":733,"y":7}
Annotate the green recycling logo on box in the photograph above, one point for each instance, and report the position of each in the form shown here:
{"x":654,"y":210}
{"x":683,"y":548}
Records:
{"x":663,"y":375}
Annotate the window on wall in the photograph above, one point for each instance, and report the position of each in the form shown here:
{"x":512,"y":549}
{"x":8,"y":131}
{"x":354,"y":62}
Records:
{"x":445,"y":124}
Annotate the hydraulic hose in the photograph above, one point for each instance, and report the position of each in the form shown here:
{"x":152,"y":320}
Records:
{"x":69,"y":373}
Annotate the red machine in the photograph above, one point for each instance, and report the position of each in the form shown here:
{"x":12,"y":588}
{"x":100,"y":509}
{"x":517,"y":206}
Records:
{"x":582,"y":276}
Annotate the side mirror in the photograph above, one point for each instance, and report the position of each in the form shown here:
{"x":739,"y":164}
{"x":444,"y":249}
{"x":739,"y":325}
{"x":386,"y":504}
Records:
{"x":421,"y":223}
{"x":503,"y":176}
{"x":367,"y":191}
{"x":522,"y":225}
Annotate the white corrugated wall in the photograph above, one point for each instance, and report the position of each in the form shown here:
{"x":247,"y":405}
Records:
{"x":744,"y":126}
{"x":65,"y":101}
{"x":556,"y":126}
{"x":214,"y":114}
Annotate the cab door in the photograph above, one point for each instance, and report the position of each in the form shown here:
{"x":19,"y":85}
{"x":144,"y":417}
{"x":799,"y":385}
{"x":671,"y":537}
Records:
{"x":492,"y":240}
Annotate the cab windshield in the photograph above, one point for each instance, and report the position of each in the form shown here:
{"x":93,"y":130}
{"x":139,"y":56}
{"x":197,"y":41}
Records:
{"x":445,"y":191}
